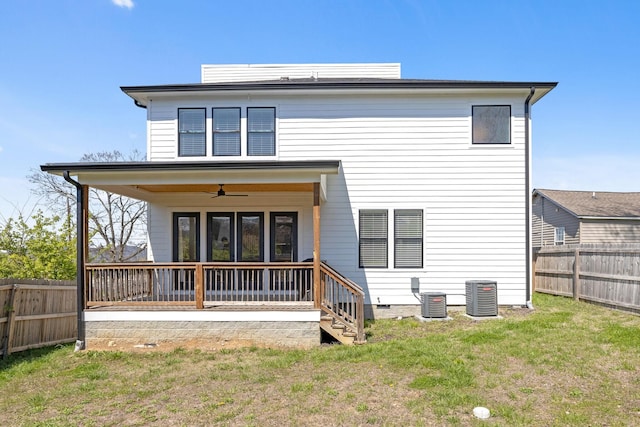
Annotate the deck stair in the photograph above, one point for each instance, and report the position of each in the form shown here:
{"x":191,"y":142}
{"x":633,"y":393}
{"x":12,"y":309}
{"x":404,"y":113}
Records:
{"x":342,"y":305}
{"x":339,"y":330}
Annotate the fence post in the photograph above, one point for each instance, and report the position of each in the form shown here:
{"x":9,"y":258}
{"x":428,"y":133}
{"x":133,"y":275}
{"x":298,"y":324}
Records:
{"x":11,"y":317}
{"x":576,"y":275}
{"x":534,"y":259}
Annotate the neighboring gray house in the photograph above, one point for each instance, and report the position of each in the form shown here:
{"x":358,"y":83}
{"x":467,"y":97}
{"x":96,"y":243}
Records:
{"x":573,"y":217}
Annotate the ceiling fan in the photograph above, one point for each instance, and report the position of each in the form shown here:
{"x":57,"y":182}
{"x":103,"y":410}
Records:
{"x":221,"y":193}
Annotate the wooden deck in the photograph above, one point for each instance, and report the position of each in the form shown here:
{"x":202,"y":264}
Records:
{"x":229,"y":286}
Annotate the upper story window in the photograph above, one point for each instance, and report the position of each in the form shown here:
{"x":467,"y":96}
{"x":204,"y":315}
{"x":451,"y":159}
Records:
{"x":261,"y":131}
{"x":191,"y":132}
{"x":226,"y":131}
{"x":491,"y":124}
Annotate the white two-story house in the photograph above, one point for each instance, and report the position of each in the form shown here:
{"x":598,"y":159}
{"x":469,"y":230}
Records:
{"x":322,"y":192}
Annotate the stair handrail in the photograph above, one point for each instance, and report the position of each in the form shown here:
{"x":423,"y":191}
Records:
{"x":355,"y":321}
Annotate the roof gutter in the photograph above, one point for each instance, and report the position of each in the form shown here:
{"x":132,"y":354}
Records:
{"x":80,"y":245}
{"x":138,"y":104}
{"x":527,"y":178}
{"x":609,"y":218}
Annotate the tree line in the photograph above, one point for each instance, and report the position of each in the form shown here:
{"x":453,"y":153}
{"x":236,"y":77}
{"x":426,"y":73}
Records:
{"x":43,"y":244}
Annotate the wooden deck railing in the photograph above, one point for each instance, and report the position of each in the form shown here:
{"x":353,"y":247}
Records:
{"x":201,"y":284}
{"x":343,"y":300}
{"x":198,"y":283}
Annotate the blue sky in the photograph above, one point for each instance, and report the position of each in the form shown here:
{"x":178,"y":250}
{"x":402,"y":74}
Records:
{"x":62,"y":63}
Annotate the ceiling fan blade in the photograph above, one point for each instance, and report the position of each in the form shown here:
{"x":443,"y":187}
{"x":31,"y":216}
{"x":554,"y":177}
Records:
{"x":221,"y":193}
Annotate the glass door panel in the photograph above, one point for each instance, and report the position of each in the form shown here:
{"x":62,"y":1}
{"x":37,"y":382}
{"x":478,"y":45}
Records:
{"x":250,"y":237}
{"x":186,"y":237}
{"x":220,"y":243}
{"x":186,"y":248}
{"x":284,"y":236}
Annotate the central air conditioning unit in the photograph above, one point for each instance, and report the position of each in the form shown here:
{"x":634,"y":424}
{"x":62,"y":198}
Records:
{"x":482,"y":298}
{"x":434,"y":305}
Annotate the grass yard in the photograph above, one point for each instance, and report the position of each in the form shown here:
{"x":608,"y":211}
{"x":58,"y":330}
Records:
{"x":566,"y":363}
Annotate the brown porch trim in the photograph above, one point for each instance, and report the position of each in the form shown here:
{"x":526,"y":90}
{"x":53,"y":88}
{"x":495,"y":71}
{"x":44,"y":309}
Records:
{"x":316,"y":244}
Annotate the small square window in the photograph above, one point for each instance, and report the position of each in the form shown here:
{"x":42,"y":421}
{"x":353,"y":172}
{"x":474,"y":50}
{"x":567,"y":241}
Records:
{"x":491,"y":124}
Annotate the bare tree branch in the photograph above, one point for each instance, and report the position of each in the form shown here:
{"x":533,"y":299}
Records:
{"x":114,"y":220}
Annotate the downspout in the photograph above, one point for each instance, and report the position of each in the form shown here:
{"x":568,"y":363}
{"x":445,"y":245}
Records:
{"x":527,"y":184}
{"x":80,"y":343}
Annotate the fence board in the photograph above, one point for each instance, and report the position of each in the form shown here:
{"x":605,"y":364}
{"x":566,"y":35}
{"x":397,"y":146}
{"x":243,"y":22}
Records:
{"x":607,"y":275}
{"x":36,"y":313}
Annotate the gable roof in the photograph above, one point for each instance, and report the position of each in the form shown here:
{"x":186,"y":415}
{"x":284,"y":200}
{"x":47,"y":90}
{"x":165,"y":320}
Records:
{"x":595,"y":204}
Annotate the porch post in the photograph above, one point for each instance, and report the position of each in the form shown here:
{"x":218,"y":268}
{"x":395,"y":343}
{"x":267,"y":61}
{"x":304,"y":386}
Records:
{"x":317,"y":296}
{"x":199,"y":288}
{"x":83,"y":248}
{"x":82,"y":245}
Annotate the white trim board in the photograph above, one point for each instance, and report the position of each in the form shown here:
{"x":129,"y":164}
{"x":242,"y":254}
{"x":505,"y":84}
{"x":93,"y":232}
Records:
{"x":204,"y":316}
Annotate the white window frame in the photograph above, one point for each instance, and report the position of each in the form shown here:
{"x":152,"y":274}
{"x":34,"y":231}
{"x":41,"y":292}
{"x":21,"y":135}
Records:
{"x":189,"y":131}
{"x":558,"y":236}
{"x":373,"y":242}
{"x":408,"y":237}
{"x":249,"y":132}
{"x":222,"y":132}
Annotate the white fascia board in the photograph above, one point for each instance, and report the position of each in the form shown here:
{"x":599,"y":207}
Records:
{"x":201,"y":177}
{"x":143,"y":97}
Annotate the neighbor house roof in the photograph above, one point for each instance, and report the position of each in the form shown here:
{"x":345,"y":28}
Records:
{"x":142,"y":94}
{"x":595,"y":204}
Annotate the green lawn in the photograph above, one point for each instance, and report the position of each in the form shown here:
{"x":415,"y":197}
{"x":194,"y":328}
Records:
{"x":565,"y":363}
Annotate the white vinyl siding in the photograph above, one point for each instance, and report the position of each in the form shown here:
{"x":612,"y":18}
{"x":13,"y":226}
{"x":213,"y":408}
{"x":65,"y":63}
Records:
{"x":401,"y":152}
{"x":373,"y":238}
{"x":257,"y":72}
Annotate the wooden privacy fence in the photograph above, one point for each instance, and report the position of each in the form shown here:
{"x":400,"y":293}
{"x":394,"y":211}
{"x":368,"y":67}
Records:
{"x":607,"y":275}
{"x":36,"y":313}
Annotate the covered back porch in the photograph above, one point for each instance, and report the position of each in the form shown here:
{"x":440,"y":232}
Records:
{"x":203,"y":285}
